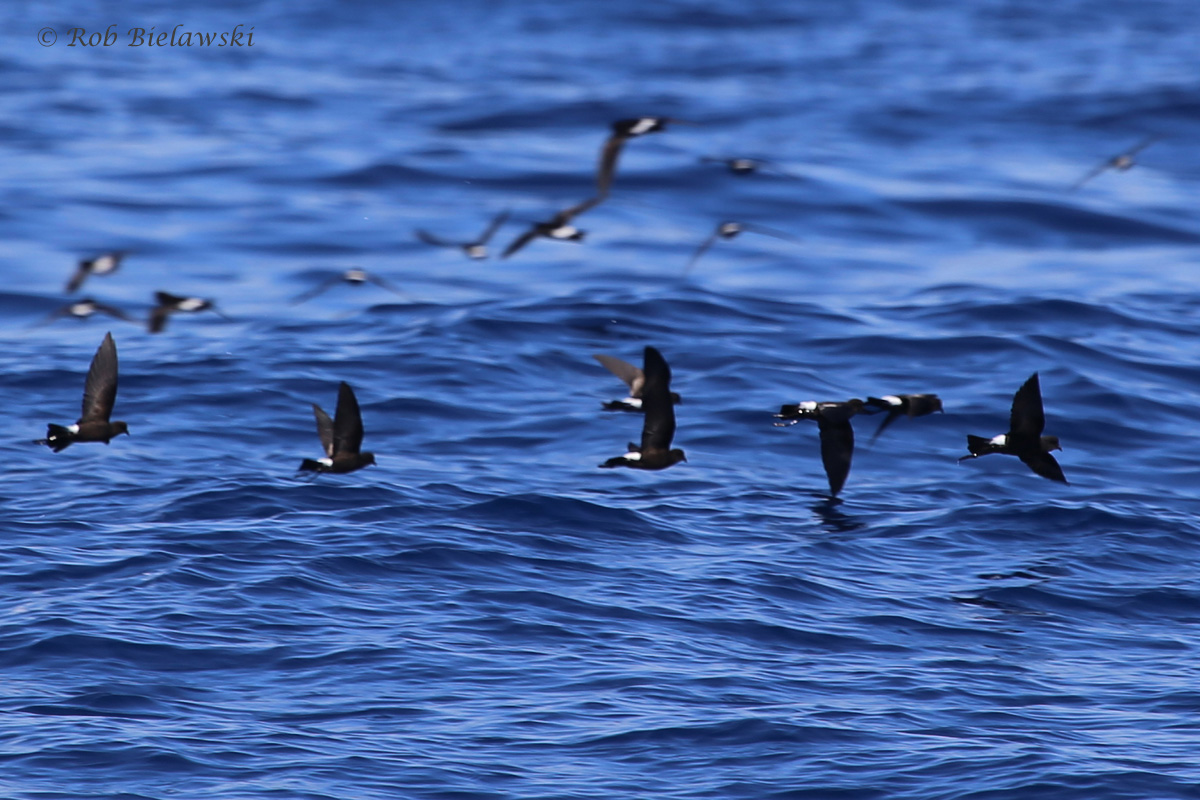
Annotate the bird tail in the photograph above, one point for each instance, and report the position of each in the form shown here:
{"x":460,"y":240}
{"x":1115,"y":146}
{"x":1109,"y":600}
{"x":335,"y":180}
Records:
{"x":58,"y":438}
{"x":309,"y":465}
{"x":978,"y":446}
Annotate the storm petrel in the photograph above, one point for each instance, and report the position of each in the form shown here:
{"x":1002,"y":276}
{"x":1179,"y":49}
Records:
{"x":557,"y":227}
{"x":633,"y":377}
{"x":1024,"y":438}
{"x":354,"y":277}
{"x":622,"y":131}
{"x":169,"y":304}
{"x":837,"y":436}
{"x":99,"y":395}
{"x":105,"y":264}
{"x":82,"y":309}
{"x":341,"y":437}
{"x":728,"y":230}
{"x":476,"y":248}
{"x":1120,"y":162}
{"x":910,"y":405}
{"x":659,"y":426}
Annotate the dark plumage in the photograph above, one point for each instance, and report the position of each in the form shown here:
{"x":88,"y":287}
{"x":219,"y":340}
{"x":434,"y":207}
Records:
{"x":169,"y":304}
{"x":746,"y":166}
{"x":99,"y":395}
{"x":341,"y":437}
{"x":728,"y":230}
{"x":558,"y":227}
{"x":622,"y":131}
{"x":476,"y":248}
{"x":1024,"y":438}
{"x":658,"y":429}
{"x":105,"y":264}
{"x":1120,"y":162}
{"x":910,"y":405}
{"x":633,"y":377}
{"x":354,"y":277}
{"x":837,"y":436}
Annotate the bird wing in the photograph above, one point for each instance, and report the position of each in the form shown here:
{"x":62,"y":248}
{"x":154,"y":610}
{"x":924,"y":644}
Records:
{"x":1142,"y":145}
{"x":316,"y":290}
{"x":324,"y":429}
{"x":158,"y":319}
{"x":837,"y":448}
{"x":888,"y":420}
{"x":347,"y":422}
{"x":659,"y":427}
{"x":382,"y":284}
{"x":491,"y":229}
{"x":607,"y":168}
{"x":1045,"y":465}
{"x":78,"y":278}
{"x":707,"y":243}
{"x":622,"y":369}
{"x":522,"y":240}
{"x":428,"y":238}
{"x":112,"y":311}
{"x":100,"y":390}
{"x":768,"y":231}
{"x":1027,"y":418}
{"x":1096,"y":170}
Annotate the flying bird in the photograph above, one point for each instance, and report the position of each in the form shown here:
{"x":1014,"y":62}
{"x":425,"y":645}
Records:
{"x":658,"y":428}
{"x":837,"y":435}
{"x":82,"y":309}
{"x":169,"y":304}
{"x":557,"y":227}
{"x":104,"y":264}
{"x":633,"y":377}
{"x":476,"y":248}
{"x":728,"y":230}
{"x":622,"y":131}
{"x":99,"y":395}
{"x":1024,"y":438}
{"x":910,"y":405}
{"x":354,"y":277}
{"x":341,"y":437}
{"x":1120,"y":162}
{"x":746,"y":166}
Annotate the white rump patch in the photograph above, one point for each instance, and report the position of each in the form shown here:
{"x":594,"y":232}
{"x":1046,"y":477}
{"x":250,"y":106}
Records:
{"x":355,"y":276}
{"x":1000,"y":440}
{"x":807,"y":405}
{"x":327,"y":462}
{"x":644,"y":125}
{"x":633,"y":402}
{"x":477,"y":251}
{"x":730,"y":229}
{"x":104,"y":264}
{"x":192,"y":304}
{"x":633,"y":456}
{"x":564,"y":232}
{"x":73,"y":428}
{"x":892,"y":400}
{"x":82,"y":309}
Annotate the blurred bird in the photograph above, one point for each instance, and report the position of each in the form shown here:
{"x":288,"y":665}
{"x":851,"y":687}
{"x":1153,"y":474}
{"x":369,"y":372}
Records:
{"x":169,"y":304}
{"x":728,"y":230}
{"x":82,"y":309}
{"x":354,"y":277}
{"x":104,"y":264}
{"x":911,"y":405}
{"x":1120,"y":162}
{"x":633,"y":377}
{"x":622,"y":131}
{"x":837,"y":436}
{"x":476,"y":248}
{"x":747,"y":166}
{"x":557,"y":227}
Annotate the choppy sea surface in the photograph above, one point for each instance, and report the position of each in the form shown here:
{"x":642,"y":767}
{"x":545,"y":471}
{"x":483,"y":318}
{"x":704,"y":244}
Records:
{"x":484,"y":614}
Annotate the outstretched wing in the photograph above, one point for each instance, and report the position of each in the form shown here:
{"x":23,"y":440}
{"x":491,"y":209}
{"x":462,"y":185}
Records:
{"x":428,"y":238}
{"x":1045,"y":465}
{"x":1027,"y":418}
{"x":627,"y":372}
{"x":100,"y":391}
{"x":659,"y":427}
{"x":347,"y":422}
{"x":701,"y":250}
{"x":494,"y":226}
{"x":837,"y":448}
{"x":316,"y":290}
{"x":324,"y":429}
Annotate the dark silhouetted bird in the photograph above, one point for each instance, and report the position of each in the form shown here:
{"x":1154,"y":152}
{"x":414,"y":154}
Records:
{"x":341,"y":437}
{"x":622,"y":131}
{"x":558,"y":227}
{"x":728,"y":230}
{"x":1024,"y":438}
{"x":658,"y":429}
{"x":99,"y":395}
{"x":476,"y":248}
{"x":837,"y":436}
{"x":82,"y":309}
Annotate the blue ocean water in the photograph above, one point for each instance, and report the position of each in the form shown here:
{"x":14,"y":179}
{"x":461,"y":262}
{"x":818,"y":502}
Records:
{"x":484,"y":613}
